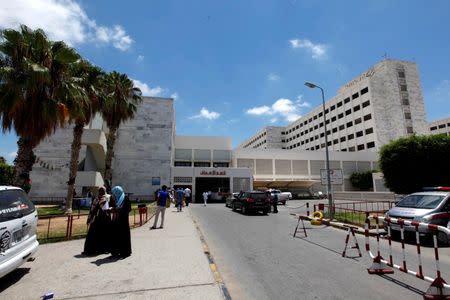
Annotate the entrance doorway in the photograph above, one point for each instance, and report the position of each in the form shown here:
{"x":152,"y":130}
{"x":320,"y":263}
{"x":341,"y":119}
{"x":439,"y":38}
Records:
{"x":219,"y":187}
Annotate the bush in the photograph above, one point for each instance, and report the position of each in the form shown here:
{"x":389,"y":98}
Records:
{"x":409,"y":164}
{"x":6,"y":172}
{"x":362,"y":180}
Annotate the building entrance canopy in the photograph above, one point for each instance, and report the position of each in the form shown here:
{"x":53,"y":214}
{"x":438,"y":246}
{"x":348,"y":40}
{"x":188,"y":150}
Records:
{"x":284,"y":184}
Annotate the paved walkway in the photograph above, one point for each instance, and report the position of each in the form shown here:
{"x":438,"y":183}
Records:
{"x":166,"y":263}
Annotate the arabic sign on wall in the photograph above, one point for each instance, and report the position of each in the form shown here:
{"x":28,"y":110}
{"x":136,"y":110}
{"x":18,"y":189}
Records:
{"x":213,"y":173}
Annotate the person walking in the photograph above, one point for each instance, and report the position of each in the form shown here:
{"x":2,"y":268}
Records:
{"x":179,"y":197}
{"x":275,"y":202}
{"x":205,"y":197}
{"x":161,"y":201}
{"x":98,"y":237}
{"x":187,"y":195}
{"x":121,"y":241}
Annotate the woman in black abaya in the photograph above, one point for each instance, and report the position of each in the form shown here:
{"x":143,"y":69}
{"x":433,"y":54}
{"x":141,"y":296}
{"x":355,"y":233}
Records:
{"x":121,"y":241}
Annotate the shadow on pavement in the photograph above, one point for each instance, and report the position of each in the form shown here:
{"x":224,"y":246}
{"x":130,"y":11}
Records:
{"x":12,"y":278}
{"x":402,"y":284}
{"x":106,"y":260}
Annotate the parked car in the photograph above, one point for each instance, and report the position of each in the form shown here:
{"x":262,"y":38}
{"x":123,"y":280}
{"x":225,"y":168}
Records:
{"x":287,"y":194}
{"x":230,"y":199}
{"x":252,"y":201}
{"x":219,"y":194}
{"x":18,"y":224}
{"x":431,"y":206}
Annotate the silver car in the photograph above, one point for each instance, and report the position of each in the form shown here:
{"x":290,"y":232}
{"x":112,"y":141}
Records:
{"x":18,"y":223}
{"x":432,"y":207}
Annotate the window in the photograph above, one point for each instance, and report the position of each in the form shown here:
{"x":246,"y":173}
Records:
{"x":351,"y":149}
{"x":442,"y":126}
{"x":326,"y":111}
{"x":332,"y":107}
{"x":354,"y":96}
{"x":342,"y":139}
{"x":202,"y":164}
{"x":370,"y":145}
{"x":349,"y":124}
{"x":322,"y":145}
{"x":401,"y":74}
{"x":315,"y":117}
{"x":364,"y":90}
{"x":329,"y":143}
{"x":344,"y":150}
{"x":356,"y":108}
{"x":340,"y":116}
{"x":283,"y":141}
{"x":302,"y":142}
{"x":283,"y":133}
{"x":357,"y":121}
{"x":316,"y":137}
{"x":320,"y":114}
{"x":321,"y":124}
{"x":328,"y":132}
{"x":369,"y":130}
{"x":409,"y":130}
{"x":322,"y":134}
{"x":408,"y":116}
{"x":316,"y":126}
{"x":297,"y":127}
{"x":360,"y":147}
{"x":328,"y":121}
{"x":365,"y":104}
{"x":367,"y":117}
{"x":339,"y":104}
{"x":403,"y":88}
{"x":351,"y":136}
{"x":359,"y":134}
{"x":348,"y":111}
{"x":335,"y":141}
{"x":342,"y":127}
{"x":182,"y":164}
{"x":310,"y":120}
{"x":220,"y":165}
{"x":433,"y":128}
{"x":405,"y":101}
{"x":334,"y":130}
{"x":347,"y":100}
{"x":317,"y":147}
{"x":333,"y":119}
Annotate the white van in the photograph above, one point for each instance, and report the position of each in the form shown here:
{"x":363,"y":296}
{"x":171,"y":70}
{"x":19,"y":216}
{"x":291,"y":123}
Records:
{"x":18,"y":223}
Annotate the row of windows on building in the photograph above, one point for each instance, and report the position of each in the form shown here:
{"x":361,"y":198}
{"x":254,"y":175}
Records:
{"x":201,"y":164}
{"x":440,"y":126}
{"x":333,"y":130}
{"x":332,"y":108}
{"x":359,"y":147}
{"x":256,"y":139}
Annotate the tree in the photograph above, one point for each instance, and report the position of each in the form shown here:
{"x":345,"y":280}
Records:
{"x":82,"y":112}
{"x":35,"y":90}
{"x":121,"y":101}
{"x":409,"y":164}
{"x":362,"y":180}
{"x":6,"y":172}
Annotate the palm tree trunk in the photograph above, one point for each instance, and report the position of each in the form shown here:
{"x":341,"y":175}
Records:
{"x":75,"y":152}
{"x":110,"y":141}
{"x":23,"y":163}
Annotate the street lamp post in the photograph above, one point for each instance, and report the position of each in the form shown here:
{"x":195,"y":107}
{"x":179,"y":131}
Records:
{"x":327,"y":157}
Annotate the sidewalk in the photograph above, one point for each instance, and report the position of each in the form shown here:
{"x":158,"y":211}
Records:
{"x":166,"y":263}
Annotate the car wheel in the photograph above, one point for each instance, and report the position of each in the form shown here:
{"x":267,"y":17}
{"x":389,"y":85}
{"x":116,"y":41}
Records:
{"x":265,"y":211}
{"x":244,"y":209}
{"x":233,"y":206}
{"x":442,"y":238}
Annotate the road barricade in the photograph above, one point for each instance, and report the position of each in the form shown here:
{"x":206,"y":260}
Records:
{"x":438,"y":289}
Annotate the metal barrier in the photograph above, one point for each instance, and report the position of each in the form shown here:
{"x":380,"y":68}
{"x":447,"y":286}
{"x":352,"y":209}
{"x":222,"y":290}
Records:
{"x":438,"y":289}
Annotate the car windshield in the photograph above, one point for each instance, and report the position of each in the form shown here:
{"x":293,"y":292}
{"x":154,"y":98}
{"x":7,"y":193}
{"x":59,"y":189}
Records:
{"x":14,"y":204}
{"x":421,"y":201}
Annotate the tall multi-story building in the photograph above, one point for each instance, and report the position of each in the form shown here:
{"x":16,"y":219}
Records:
{"x":380,"y":105}
{"x":440,"y":126}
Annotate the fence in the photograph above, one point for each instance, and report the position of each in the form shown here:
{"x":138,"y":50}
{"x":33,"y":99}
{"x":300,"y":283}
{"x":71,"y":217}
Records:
{"x":439,"y":289}
{"x":355,"y":212}
{"x":66,"y":227}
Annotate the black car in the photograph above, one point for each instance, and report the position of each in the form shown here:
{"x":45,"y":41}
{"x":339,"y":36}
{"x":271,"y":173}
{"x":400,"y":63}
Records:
{"x":252,"y":201}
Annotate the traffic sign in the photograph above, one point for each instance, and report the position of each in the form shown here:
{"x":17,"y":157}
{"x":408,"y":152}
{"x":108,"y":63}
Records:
{"x":336,"y":176}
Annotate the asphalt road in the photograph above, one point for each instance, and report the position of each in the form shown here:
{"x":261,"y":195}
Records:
{"x":258,"y":258}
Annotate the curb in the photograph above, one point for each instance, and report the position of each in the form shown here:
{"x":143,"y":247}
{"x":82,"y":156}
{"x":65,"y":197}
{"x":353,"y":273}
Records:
{"x":216,"y":274}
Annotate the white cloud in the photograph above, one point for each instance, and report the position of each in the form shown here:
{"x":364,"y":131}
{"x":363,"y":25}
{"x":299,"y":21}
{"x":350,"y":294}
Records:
{"x":174,"y":96}
{"x":140,"y":58}
{"x":62,"y":20}
{"x":318,"y":51}
{"x":282,"y":108}
{"x":206,"y":114}
{"x":12,"y":155}
{"x":147,"y":91}
{"x":273,"y":77}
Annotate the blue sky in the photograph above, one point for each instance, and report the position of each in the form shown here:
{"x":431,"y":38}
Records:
{"x":236,"y":66}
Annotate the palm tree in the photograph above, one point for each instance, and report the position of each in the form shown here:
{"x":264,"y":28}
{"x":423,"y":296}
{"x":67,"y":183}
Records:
{"x":35,"y":90}
{"x":122,"y":98}
{"x":82,"y":112}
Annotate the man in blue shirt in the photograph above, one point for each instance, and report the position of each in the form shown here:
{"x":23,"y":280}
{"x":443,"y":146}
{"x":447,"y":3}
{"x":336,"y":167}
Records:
{"x":180,"y":195}
{"x":161,"y":199}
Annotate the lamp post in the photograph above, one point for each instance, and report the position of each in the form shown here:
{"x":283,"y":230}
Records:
{"x":327,"y":157}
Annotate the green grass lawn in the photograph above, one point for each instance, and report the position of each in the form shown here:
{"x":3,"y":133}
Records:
{"x":47,"y":210}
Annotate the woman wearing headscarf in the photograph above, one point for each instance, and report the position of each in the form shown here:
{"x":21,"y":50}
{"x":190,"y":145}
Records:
{"x":99,"y":221}
{"x":121,"y":242}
